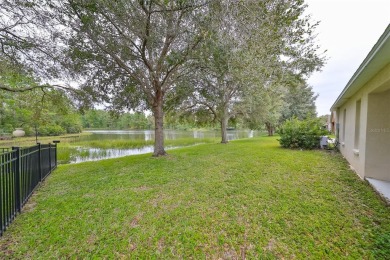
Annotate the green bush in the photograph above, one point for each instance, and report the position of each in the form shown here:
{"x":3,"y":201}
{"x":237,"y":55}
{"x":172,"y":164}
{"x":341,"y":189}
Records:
{"x":50,"y":130}
{"x":71,"y":123}
{"x":304,"y":134}
{"x":74,"y":129}
{"x":30,"y":131}
{"x":7,"y":128}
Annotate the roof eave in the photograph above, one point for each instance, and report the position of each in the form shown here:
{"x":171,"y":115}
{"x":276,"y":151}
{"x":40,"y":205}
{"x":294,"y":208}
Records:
{"x":357,"y":80}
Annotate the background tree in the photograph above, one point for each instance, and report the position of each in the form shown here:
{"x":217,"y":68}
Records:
{"x":253,"y":50}
{"x":272,"y":105}
{"x":299,"y":101}
{"x":324,"y":119}
{"x":33,"y":107}
{"x":263,"y":107}
{"x":106,"y":120}
{"x":48,"y":111}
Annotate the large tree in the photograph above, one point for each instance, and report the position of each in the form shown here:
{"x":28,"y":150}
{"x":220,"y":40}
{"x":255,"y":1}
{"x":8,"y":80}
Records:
{"x":131,"y":53}
{"x":254,"y":47}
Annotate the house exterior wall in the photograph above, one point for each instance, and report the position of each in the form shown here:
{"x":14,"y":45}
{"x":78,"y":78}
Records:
{"x":347,"y":119}
{"x":371,"y":149}
{"x":378,"y":136}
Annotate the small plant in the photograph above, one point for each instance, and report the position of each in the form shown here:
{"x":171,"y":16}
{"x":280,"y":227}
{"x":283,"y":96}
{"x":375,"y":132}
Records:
{"x":304,"y":134}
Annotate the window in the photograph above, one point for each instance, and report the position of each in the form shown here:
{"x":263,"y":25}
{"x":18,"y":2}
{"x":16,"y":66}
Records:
{"x":357,"y":124}
{"x":344,"y":121}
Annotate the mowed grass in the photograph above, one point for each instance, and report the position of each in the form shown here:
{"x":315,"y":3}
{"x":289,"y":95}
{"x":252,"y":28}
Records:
{"x":247,"y":199}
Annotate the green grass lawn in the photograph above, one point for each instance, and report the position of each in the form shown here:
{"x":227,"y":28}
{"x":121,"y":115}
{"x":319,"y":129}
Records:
{"x":249,"y":198}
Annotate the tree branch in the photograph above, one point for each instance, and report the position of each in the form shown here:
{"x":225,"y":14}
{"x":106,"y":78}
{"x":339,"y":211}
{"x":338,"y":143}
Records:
{"x":147,"y":35}
{"x":120,"y":31}
{"x":181,"y":8}
{"x":29,"y":88}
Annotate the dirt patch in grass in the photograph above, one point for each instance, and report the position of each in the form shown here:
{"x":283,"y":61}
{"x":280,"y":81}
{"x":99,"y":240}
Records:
{"x":30,"y":206}
{"x":141,"y":188}
{"x":5,"y":245}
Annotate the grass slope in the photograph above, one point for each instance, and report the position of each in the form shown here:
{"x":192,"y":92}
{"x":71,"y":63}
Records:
{"x":30,"y":140}
{"x":247,"y":199}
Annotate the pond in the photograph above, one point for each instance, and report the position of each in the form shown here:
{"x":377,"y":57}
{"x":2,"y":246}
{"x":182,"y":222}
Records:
{"x":147,"y":135}
{"x":84,"y":148}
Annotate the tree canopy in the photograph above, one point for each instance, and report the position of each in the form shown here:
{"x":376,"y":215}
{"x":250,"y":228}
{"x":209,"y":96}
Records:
{"x":163,"y":55}
{"x":131,"y":53}
{"x":255,"y":55}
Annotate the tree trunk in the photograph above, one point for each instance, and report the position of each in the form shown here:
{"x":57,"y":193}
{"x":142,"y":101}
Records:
{"x":270,"y":129}
{"x":224,"y":125}
{"x":158,"y":114}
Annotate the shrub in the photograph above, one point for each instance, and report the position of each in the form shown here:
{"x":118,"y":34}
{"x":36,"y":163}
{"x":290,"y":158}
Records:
{"x":74,"y":129}
{"x":71,"y":123}
{"x":50,"y":130}
{"x":7,"y":128}
{"x":304,"y":134}
{"x":30,"y":131}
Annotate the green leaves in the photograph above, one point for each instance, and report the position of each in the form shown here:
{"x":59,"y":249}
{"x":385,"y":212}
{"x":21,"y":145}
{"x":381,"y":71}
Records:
{"x":13,"y":75}
{"x":51,"y":110}
{"x":173,"y":58}
{"x":304,"y":134}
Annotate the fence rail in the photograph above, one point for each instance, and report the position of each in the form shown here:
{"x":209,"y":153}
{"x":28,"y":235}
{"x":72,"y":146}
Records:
{"x":21,"y":171}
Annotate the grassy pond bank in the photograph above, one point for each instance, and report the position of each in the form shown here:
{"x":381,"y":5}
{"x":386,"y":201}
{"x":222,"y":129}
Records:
{"x":95,"y":145}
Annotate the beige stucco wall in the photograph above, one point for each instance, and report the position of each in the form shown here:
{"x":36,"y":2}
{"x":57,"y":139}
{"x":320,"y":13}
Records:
{"x":378,"y":136}
{"x":358,"y":155}
{"x":355,"y":156}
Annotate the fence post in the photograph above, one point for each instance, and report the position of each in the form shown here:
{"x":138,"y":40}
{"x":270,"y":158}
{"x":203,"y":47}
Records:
{"x":16,"y":157}
{"x":49,"y":158}
{"x":40,"y":161}
{"x":56,"y":147}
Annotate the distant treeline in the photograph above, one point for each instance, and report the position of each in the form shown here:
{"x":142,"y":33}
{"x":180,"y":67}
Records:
{"x":107,"y":120}
{"x":51,"y":112}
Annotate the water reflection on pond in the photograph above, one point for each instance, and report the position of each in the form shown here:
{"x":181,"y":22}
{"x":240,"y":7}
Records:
{"x":148,"y":135}
{"x":83,"y":154}
{"x":97,"y":154}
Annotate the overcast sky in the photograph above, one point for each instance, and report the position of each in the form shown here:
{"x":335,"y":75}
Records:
{"x":348,"y":30}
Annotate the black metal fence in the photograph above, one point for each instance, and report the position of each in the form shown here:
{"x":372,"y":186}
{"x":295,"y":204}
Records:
{"x":21,"y":171}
